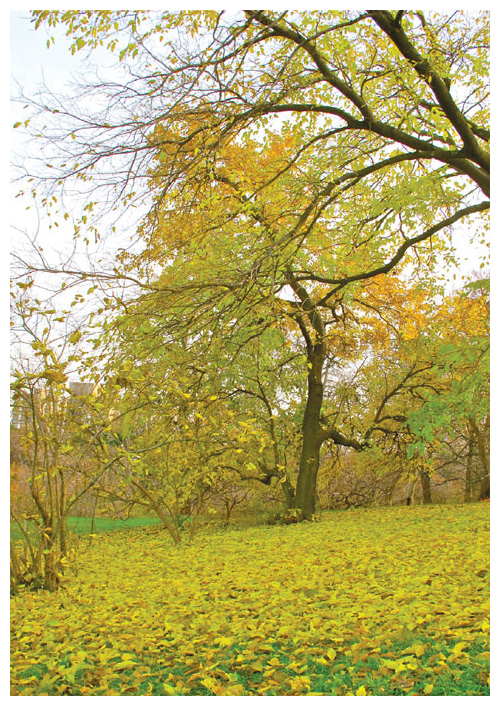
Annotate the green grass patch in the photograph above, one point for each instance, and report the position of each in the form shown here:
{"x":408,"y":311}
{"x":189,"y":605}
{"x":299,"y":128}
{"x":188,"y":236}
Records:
{"x":383,"y":601}
{"x":83,"y":525}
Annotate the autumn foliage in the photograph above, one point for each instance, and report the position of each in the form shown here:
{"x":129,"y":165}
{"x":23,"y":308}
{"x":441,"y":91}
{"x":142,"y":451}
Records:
{"x":379,"y":601}
{"x":261,"y":321}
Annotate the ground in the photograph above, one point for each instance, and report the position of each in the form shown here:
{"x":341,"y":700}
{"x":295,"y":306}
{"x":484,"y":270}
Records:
{"x":379,"y":601}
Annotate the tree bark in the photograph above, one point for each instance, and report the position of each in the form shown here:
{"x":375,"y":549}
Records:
{"x":305,"y":495}
{"x":469,"y":471}
{"x":51,"y":577}
{"x":481,"y":440}
{"x":169,"y":523}
{"x":313,"y":331}
{"x":411,"y":492}
{"x":289,"y":492}
{"x":312,"y":435}
{"x":425,"y":480}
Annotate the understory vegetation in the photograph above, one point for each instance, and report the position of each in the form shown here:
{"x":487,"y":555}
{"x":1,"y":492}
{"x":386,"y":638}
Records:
{"x":377,"y":601}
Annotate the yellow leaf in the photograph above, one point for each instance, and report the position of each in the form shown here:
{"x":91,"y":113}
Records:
{"x":300,"y":683}
{"x":75,"y":337}
{"x":361,"y":691}
{"x":417,"y":649}
{"x":224,"y":641}
{"x":210,"y":684}
{"x":234,"y":690}
{"x":125,"y":664}
{"x":458,"y":648}
{"x":428,"y":689}
{"x":331,"y":653}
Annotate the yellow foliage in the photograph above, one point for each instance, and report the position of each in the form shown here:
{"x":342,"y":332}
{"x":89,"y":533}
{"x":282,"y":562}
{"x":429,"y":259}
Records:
{"x":265,"y":611}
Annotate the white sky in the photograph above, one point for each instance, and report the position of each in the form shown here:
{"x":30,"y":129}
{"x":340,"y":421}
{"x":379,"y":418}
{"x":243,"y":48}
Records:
{"x":33,"y":64}
{"x":29,"y":55}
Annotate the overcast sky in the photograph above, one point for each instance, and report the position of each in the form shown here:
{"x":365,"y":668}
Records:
{"x":33,"y":64}
{"x":29,"y":54}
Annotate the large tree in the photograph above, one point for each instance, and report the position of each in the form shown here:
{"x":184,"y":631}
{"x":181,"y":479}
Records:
{"x":286,"y":159}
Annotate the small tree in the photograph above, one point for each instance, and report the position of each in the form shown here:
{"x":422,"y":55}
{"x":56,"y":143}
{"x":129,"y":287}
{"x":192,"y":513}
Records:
{"x":57,"y":432}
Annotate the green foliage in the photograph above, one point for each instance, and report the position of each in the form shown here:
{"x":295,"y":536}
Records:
{"x":365,"y":602}
{"x":459,"y":379}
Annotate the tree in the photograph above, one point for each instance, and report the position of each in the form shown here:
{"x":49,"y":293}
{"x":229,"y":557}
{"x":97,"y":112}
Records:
{"x":289,"y":158}
{"x":458,"y":403}
{"x":58,"y":431}
{"x":418,"y":374}
{"x":190,"y":425}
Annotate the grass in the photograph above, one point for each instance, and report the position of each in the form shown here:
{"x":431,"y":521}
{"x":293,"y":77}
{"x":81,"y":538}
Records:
{"x":83,"y":525}
{"x":383,"y":601}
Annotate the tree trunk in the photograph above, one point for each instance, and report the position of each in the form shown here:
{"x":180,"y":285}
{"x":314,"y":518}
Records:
{"x":94,"y":510}
{"x":313,"y":331}
{"x":425,"y":480}
{"x":51,"y":564}
{"x":51,"y":577}
{"x":289,"y":492}
{"x":305,"y":495}
{"x":469,"y":470}
{"x":411,"y":492}
{"x":312,"y":436}
{"x":170,"y":522}
{"x":481,"y":440}
{"x":16,"y":574}
{"x":484,"y":488}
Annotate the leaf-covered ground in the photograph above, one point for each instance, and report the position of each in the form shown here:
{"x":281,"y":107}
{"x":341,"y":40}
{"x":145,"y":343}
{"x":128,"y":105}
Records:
{"x":386,"y":601}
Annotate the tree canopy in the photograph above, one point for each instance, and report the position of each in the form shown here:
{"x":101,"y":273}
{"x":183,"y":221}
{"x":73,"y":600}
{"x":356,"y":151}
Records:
{"x":300,"y":174}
